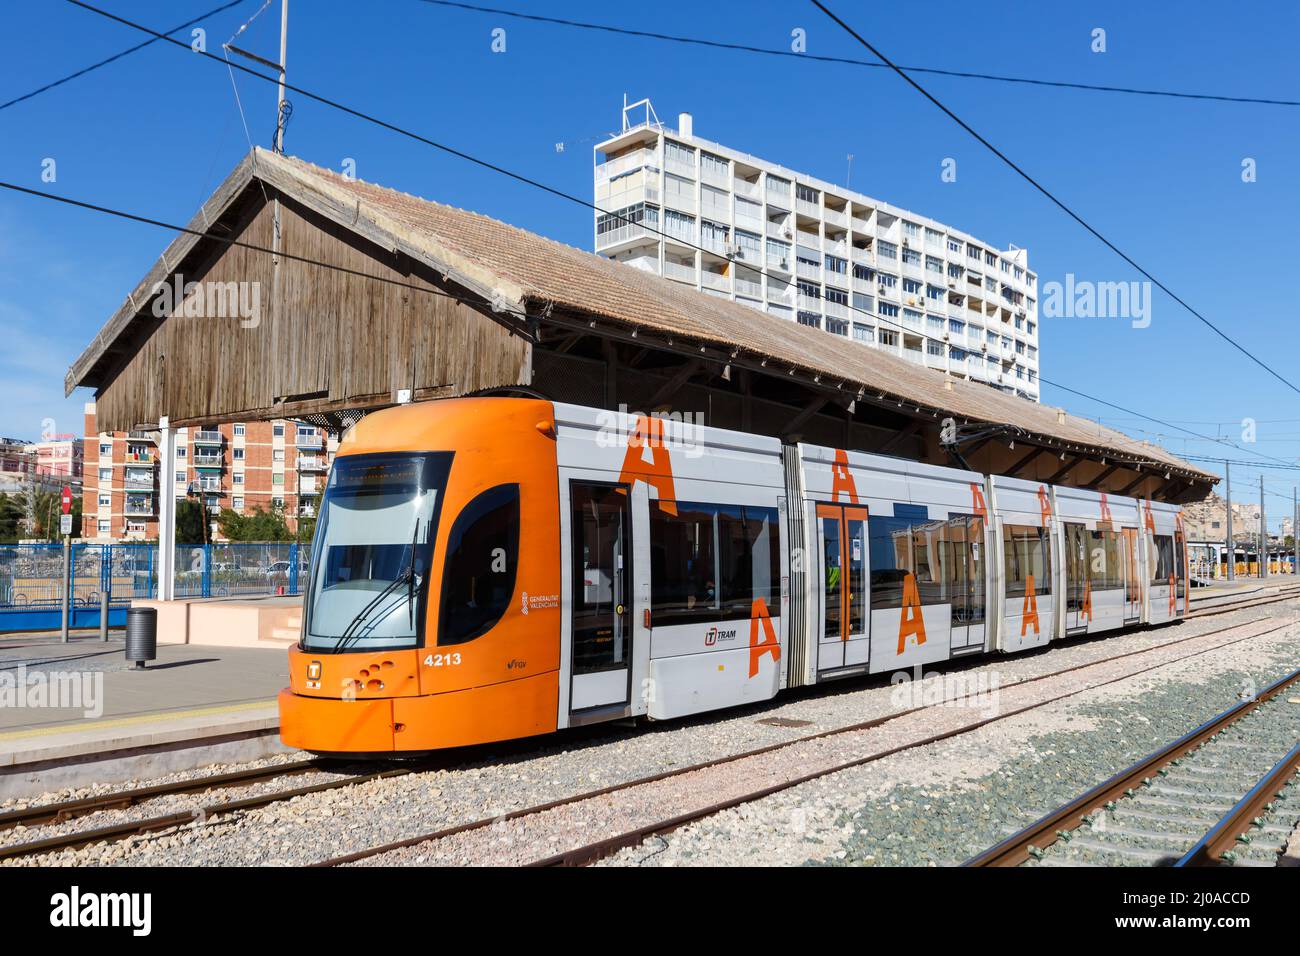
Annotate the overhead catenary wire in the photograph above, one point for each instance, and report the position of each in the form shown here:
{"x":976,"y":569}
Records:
{"x":848,"y":61}
{"x":1060,"y":204}
{"x":116,"y":56}
{"x":133,"y":217}
{"x":530,"y":181}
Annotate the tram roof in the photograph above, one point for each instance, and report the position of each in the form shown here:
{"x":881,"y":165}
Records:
{"x":520,"y":274}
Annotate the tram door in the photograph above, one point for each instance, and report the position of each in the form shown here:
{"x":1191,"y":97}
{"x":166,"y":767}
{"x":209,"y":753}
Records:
{"x":601,"y":526}
{"x":1132,"y":581}
{"x":843,"y":560}
{"x":1076,"y":577}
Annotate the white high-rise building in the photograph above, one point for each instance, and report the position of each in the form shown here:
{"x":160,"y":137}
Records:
{"x":743,"y":228}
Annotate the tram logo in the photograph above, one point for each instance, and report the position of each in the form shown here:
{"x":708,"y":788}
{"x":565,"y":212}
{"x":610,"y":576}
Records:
{"x":716,"y":635}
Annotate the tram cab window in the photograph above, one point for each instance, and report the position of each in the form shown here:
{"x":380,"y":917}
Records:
{"x":711,"y":562}
{"x":1026,"y":552}
{"x":478,"y":580}
{"x":1162,"y":564}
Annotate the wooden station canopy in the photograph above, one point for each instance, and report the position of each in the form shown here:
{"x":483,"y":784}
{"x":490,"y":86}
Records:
{"x":439,"y":302}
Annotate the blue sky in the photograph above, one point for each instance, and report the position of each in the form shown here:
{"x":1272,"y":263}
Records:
{"x":155,"y":132}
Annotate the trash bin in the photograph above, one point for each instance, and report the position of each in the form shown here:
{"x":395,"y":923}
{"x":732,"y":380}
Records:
{"x":141,"y":635}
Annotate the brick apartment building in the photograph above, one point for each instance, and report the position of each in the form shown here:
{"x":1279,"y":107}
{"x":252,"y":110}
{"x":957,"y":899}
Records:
{"x":241,"y":466}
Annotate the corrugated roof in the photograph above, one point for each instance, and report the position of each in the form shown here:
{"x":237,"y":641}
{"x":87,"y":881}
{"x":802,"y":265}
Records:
{"x":532,"y":270}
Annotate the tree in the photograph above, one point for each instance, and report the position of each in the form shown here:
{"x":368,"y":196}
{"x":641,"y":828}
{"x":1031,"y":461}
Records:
{"x":190,"y":518}
{"x":257,"y":525}
{"x":11,"y":516}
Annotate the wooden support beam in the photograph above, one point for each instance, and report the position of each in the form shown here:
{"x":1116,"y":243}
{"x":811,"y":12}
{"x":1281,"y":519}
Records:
{"x":670,"y":387}
{"x":611,"y":372}
{"x":900,"y":436}
{"x":1106,"y":473}
{"x":1142,"y":476}
{"x":1069,"y":467}
{"x":809,"y":410}
{"x":1024,"y":461}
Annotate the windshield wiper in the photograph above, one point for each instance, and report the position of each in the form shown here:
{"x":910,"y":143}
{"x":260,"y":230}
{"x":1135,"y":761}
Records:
{"x":406,"y":576}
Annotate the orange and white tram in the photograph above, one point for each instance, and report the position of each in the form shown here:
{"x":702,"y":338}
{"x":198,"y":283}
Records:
{"x":493,"y":568}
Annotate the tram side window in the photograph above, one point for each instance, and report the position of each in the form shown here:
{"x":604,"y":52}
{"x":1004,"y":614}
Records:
{"x":711,"y":562}
{"x":1163,"y":565}
{"x":1105,"y":563}
{"x":1026,"y":552}
{"x":478,"y":582}
{"x":941,"y":554}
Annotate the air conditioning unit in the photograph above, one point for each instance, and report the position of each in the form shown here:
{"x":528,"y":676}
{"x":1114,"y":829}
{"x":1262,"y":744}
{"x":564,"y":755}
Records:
{"x":787,"y":232}
{"x":952,"y":284}
{"x":785,"y":264}
{"x":883,"y":290}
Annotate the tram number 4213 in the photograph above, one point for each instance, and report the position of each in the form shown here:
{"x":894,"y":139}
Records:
{"x":442,"y":660}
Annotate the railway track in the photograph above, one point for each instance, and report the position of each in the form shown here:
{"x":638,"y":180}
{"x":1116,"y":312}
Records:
{"x":1228,"y":603}
{"x":1182,"y":805}
{"x":524,"y":825}
{"x":37,"y":816}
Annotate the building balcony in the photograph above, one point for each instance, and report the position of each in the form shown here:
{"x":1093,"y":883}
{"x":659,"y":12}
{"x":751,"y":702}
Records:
{"x":306,"y":511}
{"x":806,"y":208}
{"x":715,"y":280}
{"x":143,"y":436}
{"x":747,"y":189}
{"x":749,"y":255}
{"x":835,"y":217}
{"x":627,"y":233}
{"x":810,"y":303}
{"x":749,"y":223}
{"x":138,"y":507}
{"x":138,"y":483}
{"x":208,"y":461}
{"x":716,"y":178}
{"x":141,"y":457}
{"x":778,"y":197}
{"x":626,"y":163}
{"x":750,"y":287}
{"x":312,"y":463}
{"x":714,"y":244}
{"x":808,"y":270}
{"x":836,"y":310}
{"x":837,"y":248}
{"x":205,"y":438}
{"x":778,"y":263}
{"x":681,"y":271}
{"x":680,"y":168}
{"x":781,"y":296}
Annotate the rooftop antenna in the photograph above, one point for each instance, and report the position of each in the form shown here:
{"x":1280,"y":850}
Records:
{"x":283,"y":108}
{"x":848,"y":177}
{"x":651,"y":118}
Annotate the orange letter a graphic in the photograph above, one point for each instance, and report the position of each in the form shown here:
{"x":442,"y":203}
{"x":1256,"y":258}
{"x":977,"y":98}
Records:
{"x":758,"y":616}
{"x":841,"y":479}
{"x":658,"y":473}
{"x":1030,"y":610}
{"x":912,"y":622}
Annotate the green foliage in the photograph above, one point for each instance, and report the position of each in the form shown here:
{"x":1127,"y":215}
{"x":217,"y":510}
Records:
{"x":189,"y":522}
{"x":257,"y":525}
{"x":11,"y":516}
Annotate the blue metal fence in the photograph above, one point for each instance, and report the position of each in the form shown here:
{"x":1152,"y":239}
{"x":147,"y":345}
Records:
{"x":32,"y":582}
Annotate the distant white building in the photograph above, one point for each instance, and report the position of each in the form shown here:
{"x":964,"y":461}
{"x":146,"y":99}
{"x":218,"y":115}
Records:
{"x":834,"y":258}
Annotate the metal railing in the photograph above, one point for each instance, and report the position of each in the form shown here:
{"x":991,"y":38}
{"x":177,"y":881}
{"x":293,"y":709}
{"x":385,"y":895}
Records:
{"x":32,"y":579}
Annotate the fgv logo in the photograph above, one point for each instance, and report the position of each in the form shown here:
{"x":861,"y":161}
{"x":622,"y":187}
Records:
{"x":524,"y":602}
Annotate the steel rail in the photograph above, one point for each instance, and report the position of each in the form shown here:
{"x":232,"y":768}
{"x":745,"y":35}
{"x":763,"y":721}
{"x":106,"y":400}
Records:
{"x":120,"y":800}
{"x":1045,"y":831}
{"x":1213,"y":848}
{"x":69,"y":809}
{"x":595,"y":851}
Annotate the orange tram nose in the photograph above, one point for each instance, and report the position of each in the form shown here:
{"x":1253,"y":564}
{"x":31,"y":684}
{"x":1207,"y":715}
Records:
{"x":419,"y":631}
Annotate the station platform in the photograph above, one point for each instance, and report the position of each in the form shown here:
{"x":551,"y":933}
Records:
{"x":76,"y":714}
{"x":270,"y":621}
